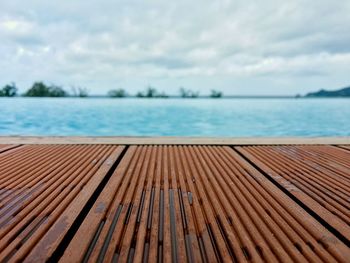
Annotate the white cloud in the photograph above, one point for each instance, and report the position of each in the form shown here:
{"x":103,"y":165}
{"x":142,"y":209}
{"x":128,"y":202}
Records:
{"x":302,"y":44}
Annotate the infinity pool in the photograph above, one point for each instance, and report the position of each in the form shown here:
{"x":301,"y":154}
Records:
{"x":175,"y":117}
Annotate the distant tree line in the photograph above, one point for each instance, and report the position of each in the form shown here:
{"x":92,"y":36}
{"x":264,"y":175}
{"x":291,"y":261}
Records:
{"x":186,"y":93}
{"x":40,"y":89}
{"x":151,"y":92}
{"x":10,"y":90}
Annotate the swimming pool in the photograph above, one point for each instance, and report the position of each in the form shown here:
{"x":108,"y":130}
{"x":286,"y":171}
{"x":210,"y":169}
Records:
{"x":175,"y":117}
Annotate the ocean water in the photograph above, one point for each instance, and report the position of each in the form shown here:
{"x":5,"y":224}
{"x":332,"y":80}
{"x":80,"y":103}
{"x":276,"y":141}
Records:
{"x":175,"y":117}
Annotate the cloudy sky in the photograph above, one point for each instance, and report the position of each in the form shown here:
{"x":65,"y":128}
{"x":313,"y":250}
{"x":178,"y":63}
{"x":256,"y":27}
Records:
{"x":239,"y":47}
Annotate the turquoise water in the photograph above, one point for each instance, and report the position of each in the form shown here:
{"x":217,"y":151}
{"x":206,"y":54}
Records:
{"x":175,"y":117}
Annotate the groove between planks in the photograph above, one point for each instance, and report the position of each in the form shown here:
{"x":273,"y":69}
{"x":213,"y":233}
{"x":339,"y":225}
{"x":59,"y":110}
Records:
{"x":185,"y":203}
{"x":173,"y":203}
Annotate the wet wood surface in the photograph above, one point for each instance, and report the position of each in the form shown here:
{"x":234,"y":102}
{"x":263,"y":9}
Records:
{"x":174,"y":203}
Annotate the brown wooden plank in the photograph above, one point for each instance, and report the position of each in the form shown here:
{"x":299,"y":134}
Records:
{"x":347,"y":147}
{"x":174,"y":203}
{"x":6,"y":147}
{"x":322,"y":183}
{"x":235,"y":213}
{"x":59,"y":177}
{"x":50,"y":241}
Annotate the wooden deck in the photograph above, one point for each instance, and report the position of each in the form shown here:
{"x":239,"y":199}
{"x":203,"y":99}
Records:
{"x":174,"y":203}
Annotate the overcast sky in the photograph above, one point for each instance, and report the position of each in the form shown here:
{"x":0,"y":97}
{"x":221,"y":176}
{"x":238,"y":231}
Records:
{"x":239,"y":47}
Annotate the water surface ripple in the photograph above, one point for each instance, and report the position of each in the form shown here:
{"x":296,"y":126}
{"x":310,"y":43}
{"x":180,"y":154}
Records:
{"x":175,"y":117}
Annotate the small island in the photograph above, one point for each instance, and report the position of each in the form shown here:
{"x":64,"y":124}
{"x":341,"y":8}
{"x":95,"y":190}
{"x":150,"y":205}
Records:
{"x":344,"y":92}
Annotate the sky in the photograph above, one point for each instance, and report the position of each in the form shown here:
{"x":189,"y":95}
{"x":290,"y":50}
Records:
{"x":239,"y":47}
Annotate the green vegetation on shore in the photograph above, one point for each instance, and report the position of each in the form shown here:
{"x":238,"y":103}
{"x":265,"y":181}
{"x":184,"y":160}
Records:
{"x":79,"y":92}
{"x":10,"y":90}
{"x":186,"y":93}
{"x":151,"y":92}
{"x":40,"y":89}
{"x":117,"y":93}
{"x":215,"y":94}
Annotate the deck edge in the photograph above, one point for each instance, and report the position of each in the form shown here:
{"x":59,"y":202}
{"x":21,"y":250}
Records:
{"x":125,"y":140}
